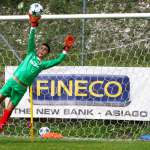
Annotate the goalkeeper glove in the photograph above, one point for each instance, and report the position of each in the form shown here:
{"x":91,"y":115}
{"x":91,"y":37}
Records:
{"x":34,"y":20}
{"x":68,"y":42}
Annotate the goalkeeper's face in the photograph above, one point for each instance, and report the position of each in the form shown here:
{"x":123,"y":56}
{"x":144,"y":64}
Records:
{"x":42,"y":51}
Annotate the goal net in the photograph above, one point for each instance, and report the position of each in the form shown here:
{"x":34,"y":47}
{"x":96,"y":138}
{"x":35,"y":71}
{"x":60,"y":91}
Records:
{"x":99,"y":91}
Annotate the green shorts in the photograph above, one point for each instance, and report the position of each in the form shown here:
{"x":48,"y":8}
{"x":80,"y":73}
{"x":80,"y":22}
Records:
{"x":13,"y":90}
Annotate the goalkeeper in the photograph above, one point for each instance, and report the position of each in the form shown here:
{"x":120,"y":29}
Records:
{"x":28,"y":70}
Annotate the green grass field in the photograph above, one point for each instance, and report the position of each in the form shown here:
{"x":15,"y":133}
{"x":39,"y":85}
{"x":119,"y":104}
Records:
{"x":9,"y":143}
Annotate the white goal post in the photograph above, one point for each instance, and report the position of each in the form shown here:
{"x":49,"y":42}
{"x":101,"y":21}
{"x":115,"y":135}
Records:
{"x":80,"y":16}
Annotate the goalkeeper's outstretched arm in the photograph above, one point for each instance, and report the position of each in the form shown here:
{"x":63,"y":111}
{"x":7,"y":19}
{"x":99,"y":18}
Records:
{"x":31,"y":40}
{"x":54,"y":62}
{"x":68,"y":43}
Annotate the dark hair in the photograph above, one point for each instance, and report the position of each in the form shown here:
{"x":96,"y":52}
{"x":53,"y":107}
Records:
{"x":48,"y":47}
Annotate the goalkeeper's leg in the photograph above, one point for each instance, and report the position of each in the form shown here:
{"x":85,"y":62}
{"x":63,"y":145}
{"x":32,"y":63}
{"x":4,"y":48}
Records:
{"x":2,"y":98}
{"x":15,"y":91}
{"x":6,"y":114}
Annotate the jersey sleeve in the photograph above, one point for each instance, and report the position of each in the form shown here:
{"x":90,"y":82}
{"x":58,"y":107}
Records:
{"x":31,"y":40}
{"x":53,"y":62}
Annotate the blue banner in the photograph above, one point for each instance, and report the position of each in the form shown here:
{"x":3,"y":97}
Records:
{"x":107,"y":90}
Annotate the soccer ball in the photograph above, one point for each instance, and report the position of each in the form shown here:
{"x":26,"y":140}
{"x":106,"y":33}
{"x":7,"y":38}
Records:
{"x":36,"y":9}
{"x":43,"y":130}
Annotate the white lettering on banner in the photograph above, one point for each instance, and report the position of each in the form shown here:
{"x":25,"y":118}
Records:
{"x":138,"y":109}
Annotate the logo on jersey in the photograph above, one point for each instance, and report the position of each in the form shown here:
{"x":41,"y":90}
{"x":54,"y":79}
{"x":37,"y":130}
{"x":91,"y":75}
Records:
{"x":35,"y":61}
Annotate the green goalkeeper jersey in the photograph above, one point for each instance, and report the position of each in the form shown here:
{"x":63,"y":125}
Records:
{"x":31,"y":66}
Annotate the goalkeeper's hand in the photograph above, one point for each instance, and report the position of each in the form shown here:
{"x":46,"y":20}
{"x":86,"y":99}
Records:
{"x":68,"y":42}
{"x":34,"y":20}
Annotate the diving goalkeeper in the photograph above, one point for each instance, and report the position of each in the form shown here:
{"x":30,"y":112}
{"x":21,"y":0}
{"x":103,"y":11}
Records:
{"x":28,"y":70}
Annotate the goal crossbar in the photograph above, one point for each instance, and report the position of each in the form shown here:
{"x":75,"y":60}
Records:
{"x":79,"y":16}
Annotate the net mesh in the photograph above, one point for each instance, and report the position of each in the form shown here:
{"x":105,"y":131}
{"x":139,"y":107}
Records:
{"x":107,"y":42}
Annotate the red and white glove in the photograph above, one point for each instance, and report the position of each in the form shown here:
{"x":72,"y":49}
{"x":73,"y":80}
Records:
{"x":68,"y":42}
{"x":34,"y":20}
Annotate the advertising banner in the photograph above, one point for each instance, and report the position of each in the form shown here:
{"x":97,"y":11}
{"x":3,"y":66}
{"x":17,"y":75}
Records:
{"x":120,"y":93}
